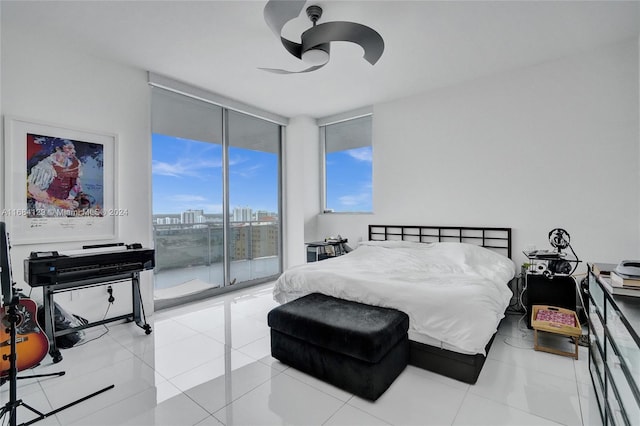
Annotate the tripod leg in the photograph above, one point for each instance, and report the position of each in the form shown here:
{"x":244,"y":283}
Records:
{"x":21,"y":403}
{"x":64,"y":407}
{"x":13,"y":403}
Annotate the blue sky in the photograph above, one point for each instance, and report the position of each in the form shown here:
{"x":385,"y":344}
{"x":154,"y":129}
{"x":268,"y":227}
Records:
{"x":349,"y":178}
{"x":188,"y":175}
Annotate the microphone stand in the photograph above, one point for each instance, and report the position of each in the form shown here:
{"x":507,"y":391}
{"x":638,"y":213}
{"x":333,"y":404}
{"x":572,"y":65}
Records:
{"x":11,"y":407}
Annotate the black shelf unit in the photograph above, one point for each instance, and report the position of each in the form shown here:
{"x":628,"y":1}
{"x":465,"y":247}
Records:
{"x":547,"y":287}
{"x":555,"y":290}
{"x":321,"y":250}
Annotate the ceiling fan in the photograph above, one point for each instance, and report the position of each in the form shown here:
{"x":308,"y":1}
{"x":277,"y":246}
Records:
{"x":315,"y":46}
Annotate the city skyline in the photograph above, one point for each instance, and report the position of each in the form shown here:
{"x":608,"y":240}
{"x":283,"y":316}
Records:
{"x":187,"y":175}
{"x":194,"y":216}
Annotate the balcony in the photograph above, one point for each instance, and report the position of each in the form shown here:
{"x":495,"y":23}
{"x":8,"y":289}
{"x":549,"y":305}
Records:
{"x":189,"y":257}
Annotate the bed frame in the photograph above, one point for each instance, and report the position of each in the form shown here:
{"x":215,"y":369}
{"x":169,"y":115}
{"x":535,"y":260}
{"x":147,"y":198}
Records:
{"x":465,"y":368}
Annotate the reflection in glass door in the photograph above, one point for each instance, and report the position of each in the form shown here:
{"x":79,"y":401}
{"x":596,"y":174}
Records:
{"x":254,"y":227}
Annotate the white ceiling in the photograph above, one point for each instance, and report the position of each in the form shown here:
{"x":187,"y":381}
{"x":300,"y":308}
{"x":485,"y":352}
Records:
{"x":218,"y":45}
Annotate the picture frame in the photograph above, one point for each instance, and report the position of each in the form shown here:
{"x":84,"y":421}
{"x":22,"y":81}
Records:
{"x":60,"y":183}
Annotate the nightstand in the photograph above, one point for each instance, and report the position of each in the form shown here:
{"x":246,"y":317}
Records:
{"x":555,"y":290}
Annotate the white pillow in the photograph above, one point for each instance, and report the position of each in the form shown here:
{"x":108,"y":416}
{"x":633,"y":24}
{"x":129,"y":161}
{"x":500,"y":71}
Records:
{"x":485,"y":262}
{"x":396,"y":244}
{"x":488,"y":263}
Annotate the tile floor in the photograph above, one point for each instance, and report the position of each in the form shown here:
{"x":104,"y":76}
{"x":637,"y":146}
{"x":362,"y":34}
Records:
{"x":209,"y":364}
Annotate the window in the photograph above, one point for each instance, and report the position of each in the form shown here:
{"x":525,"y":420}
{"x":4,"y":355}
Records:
{"x":216,"y":197}
{"x":348,"y":155}
{"x":254,"y":183}
{"x":188,"y":181}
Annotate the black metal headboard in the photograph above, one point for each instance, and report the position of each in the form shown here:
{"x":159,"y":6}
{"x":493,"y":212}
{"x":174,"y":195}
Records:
{"x":498,"y":239}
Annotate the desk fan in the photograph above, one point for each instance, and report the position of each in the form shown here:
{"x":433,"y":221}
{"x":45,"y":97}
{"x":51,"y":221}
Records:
{"x":559,"y":239}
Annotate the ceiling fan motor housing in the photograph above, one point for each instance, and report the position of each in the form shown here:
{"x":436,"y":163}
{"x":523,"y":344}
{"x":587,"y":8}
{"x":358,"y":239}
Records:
{"x":313,"y":54}
{"x":314,"y":13}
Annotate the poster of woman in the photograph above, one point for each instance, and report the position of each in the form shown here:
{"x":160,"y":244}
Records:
{"x":65,"y":178}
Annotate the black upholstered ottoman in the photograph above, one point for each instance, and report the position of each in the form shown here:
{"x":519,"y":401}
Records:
{"x":356,"y":347}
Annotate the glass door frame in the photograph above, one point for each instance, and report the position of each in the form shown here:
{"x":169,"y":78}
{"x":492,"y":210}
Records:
{"x":226,"y":229}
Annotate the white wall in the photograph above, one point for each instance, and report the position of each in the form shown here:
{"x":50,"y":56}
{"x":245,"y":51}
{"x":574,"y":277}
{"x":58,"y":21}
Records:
{"x":301,"y":192}
{"x":554,"y":145}
{"x":55,"y":84}
{"x":527,"y":149}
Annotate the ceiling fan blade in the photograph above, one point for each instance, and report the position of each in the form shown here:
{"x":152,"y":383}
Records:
{"x":279,"y":71}
{"x":292,"y":47}
{"x":368,"y":38}
{"x":277,"y":13}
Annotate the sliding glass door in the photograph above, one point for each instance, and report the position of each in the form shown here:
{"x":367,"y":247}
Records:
{"x":187,"y":155}
{"x":254,"y":152}
{"x":215,"y":198}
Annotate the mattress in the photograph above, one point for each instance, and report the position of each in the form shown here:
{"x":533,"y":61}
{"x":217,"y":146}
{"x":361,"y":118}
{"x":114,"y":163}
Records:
{"x":422,"y":338}
{"x":454,"y":293}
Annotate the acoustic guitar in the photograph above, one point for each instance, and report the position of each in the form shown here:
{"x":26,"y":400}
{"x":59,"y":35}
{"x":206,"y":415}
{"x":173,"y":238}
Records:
{"x":32,"y":343}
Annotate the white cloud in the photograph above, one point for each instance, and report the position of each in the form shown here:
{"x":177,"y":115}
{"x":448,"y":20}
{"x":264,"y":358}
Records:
{"x":247,"y":172}
{"x":186,"y":198}
{"x":361,"y":154}
{"x":182,"y":167}
{"x":354,"y":200}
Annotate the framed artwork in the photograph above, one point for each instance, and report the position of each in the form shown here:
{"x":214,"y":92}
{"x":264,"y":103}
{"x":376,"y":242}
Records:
{"x":59,"y":183}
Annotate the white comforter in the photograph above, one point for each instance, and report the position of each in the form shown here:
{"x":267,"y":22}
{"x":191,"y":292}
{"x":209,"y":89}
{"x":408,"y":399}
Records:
{"x":453,"y":292}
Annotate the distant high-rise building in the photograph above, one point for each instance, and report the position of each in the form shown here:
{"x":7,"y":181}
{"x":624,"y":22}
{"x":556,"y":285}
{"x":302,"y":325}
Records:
{"x":192,"y":216}
{"x":242,"y":214}
{"x":261,"y":213}
{"x":252,"y":242}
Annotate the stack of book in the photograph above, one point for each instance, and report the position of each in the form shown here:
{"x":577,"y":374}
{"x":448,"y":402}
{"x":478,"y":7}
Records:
{"x":623,"y":285}
{"x":603,"y":269}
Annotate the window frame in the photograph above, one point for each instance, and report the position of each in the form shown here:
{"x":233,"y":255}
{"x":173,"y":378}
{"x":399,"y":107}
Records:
{"x":165,"y":85}
{"x":322,"y":125}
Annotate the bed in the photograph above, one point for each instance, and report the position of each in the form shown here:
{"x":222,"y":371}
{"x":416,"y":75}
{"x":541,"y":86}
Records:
{"x":451,"y":281}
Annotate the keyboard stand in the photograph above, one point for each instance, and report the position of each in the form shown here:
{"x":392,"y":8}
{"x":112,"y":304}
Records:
{"x":137,"y":313}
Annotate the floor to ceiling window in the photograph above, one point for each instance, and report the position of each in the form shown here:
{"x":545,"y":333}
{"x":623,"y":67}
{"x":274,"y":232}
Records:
{"x":216,"y":185}
{"x":254,"y":152}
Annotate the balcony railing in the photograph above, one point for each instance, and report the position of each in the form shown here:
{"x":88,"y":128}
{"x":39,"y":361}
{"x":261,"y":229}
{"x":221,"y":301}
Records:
{"x":201,"y":244}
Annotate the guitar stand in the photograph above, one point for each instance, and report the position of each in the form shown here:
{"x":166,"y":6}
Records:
{"x":11,"y":407}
